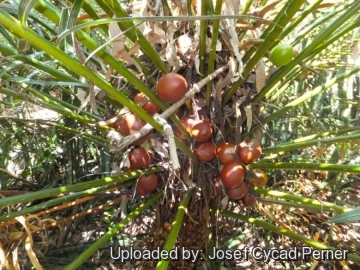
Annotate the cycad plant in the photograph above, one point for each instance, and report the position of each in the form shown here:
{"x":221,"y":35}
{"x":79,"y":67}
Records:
{"x":100,"y":160}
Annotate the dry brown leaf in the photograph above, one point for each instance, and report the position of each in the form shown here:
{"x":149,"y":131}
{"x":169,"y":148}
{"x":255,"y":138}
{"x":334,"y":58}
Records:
{"x":327,"y":4}
{"x":262,"y":12}
{"x":181,"y":5}
{"x":231,"y":7}
{"x":199,"y":104}
{"x":108,"y":73}
{"x":227,"y":42}
{"x":248,"y":112}
{"x":258,"y":133}
{"x":29,"y":243}
{"x":242,"y":93}
{"x":81,"y":93}
{"x":197,"y":63}
{"x":123,"y":207}
{"x":320,"y":151}
{"x":15,"y":235}
{"x":125,"y":159}
{"x":249,"y":43}
{"x":245,"y":26}
{"x":260,"y":75}
{"x":170,"y":51}
{"x":161,"y":148}
{"x":118,"y":50}
{"x":15,"y":258}
{"x":167,"y":225}
{"x":184,"y":43}
{"x":93,"y":91}
{"x":223,"y":83}
{"x":170,"y":55}
{"x":155,"y":35}
{"x":2,"y":256}
{"x":92,"y":94}
{"x":4,"y":262}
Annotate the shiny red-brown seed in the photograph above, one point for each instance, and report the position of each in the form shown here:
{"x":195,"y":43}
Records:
{"x":232,"y":174}
{"x":139,"y":159}
{"x":202,"y":131}
{"x":226,"y":152}
{"x":249,"y":200}
{"x":149,"y":106}
{"x":261,"y":179}
{"x":188,"y":123}
{"x":128,"y":124}
{"x":205,"y":151}
{"x":249,"y":151}
{"x":140,"y":191}
{"x":148,"y":182}
{"x":171,"y":87}
{"x":238,"y":192}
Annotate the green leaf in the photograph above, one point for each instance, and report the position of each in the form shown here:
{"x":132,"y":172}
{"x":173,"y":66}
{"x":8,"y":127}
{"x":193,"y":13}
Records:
{"x":75,"y":10}
{"x":63,"y":26}
{"x":24,"y":10}
{"x":41,"y":169}
{"x":42,"y":82}
{"x":351,"y":216}
{"x":7,"y":36}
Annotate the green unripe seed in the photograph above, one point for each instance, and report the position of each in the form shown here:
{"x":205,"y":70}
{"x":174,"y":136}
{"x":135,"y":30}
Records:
{"x":281,"y":54}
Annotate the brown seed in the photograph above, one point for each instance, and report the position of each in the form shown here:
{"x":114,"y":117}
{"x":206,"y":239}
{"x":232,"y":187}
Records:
{"x":238,"y":192}
{"x":226,"y":152}
{"x":205,"y":151}
{"x":260,"y":180}
{"x":249,"y":151}
{"x":148,"y":106}
{"x":249,"y":200}
{"x":188,"y":123}
{"x":128,"y":124}
{"x":232,"y":174}
{"x":139,"y":159}
{"x":202,"y":131}
{"x":171,"y":87}
{"x":148,"y":182}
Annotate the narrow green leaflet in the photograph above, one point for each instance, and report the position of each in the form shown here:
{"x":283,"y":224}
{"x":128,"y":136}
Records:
{"x":7,"y":36}
{"x":351,"y":216}
{"x":24,"y":9}
{"x":42,"y":82}
{"x":75,"y":10}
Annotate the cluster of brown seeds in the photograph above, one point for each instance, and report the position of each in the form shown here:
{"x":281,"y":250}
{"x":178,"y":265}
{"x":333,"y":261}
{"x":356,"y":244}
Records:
{"x":171,"y":88}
